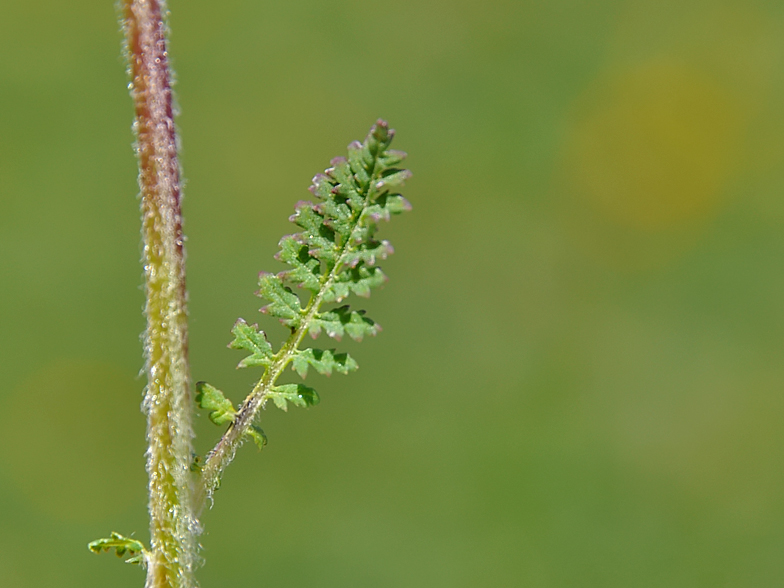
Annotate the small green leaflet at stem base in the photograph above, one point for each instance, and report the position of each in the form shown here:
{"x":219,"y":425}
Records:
{"x":210,"y":398}
{"x":121,"y":546}
{"x":258,"y":436}
{"x":222,"y":412}
{"x":297,"y":394}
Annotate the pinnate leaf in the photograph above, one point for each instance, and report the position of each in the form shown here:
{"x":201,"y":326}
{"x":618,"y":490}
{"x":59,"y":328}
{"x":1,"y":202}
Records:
{"x":335,"y":254}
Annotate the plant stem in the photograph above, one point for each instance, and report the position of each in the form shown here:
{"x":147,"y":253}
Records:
{"x":167,"y":402}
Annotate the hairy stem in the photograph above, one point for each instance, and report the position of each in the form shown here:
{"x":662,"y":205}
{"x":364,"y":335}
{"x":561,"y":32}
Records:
{"x":222,"y":454}
{"x":167,"y":404}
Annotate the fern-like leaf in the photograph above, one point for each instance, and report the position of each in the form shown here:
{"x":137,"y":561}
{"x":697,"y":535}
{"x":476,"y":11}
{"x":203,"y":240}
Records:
{"x":334,"y":255}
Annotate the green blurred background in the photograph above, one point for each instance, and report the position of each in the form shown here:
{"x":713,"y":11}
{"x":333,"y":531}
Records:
{"x":579,"y":381}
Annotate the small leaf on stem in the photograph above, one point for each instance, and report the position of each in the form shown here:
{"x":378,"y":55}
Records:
{"x":121,"y":546}
{"x":210,"y":398}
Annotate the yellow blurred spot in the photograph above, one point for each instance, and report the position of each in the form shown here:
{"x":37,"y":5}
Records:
{"x":655,"y":146}
{"x":73,"y":440}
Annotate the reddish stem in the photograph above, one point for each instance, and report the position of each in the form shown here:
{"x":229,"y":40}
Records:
{"x":167,"y":400}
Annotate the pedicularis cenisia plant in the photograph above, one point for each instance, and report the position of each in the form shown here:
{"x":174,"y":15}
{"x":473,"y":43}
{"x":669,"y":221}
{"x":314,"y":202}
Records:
{"x":334,"y":255}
